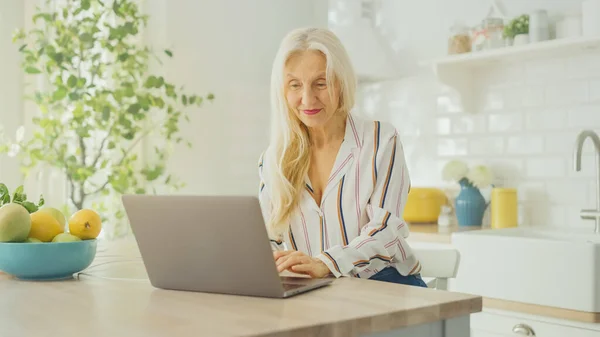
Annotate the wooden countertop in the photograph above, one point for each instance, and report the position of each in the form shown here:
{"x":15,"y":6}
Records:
{"x":541,"y":310}
{"x":118,"y":300}
{"x":434,"y":233}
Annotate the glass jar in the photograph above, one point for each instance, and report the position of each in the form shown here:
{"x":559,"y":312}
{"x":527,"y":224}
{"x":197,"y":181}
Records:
{"x":478,"y":38}
{"x":460,"y":40}
{"x":493,"y":28}
{"x":539,"y":28}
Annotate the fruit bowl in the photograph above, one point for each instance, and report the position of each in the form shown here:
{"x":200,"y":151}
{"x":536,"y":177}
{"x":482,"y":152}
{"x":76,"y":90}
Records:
{"x":46,"y":260}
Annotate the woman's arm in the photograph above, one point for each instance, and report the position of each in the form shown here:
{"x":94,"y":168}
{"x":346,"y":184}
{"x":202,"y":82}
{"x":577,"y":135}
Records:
{"x":382,"y":239}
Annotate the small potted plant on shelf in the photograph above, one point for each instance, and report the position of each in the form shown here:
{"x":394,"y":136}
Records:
{"x":517,"y":30}
{"x":469,"y":205}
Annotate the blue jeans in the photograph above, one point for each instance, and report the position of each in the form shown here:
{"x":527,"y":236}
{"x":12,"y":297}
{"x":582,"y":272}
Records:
{"x":391,"y":274}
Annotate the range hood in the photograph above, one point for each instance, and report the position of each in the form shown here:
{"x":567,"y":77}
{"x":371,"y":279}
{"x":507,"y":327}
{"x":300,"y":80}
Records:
{"x":372,"y":55}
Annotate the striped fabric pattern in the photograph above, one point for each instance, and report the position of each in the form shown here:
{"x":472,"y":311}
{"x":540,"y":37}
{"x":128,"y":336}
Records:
{"x":358,"y":229}
{"x":341,"y":213}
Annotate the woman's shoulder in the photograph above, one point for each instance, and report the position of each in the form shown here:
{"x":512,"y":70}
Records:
{"x":263,"y":159}
{"x":374,"y":129}
{"x":263,"y":173}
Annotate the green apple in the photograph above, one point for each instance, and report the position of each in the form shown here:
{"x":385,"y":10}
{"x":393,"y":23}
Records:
{"x":56,"y":214}
{"x":65,"y":237}
{"x":15,"y":223}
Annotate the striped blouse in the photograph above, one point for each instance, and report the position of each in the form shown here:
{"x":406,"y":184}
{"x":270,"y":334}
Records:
{"x":358,"y":229}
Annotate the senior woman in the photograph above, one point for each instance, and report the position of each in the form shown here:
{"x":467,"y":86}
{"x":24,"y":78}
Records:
{"x":333,"y":186}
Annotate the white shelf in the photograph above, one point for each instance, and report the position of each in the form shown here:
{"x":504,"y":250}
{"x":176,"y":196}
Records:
{"x":509,"y":53}
{"x":456,"y":70}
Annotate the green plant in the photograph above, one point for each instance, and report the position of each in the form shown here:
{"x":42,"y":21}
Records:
{"x":100,"y":100}
{"x":19,"y":197}
{"x":516,"y":26}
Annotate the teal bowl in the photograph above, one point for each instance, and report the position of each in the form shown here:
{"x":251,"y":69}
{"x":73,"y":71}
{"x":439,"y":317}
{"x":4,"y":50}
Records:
{"x":40,"y":261}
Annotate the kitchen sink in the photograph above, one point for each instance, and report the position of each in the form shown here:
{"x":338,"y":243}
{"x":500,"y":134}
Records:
{"x":542,"y":266}
{"x":575,"y":235}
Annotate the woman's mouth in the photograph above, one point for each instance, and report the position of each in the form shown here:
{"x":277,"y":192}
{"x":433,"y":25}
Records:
{"x":312,"y":111}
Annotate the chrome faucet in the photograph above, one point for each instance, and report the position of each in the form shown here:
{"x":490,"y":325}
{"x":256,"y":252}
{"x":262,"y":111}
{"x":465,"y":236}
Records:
{"x":589,"y":214}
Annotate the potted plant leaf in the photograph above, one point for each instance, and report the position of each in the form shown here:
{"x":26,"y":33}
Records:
{"x":517,"y":30}
{"x":100,"y":101}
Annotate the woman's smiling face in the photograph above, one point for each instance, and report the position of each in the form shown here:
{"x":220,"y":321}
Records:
{"x":306,"y":89}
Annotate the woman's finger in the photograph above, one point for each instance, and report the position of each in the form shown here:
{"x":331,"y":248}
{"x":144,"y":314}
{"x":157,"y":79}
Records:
{"x":314,"y":268}
{"x":291,"y":261}
{"x":284,"y":258}
{"x":279,"y":253}
{"x":301,"y":261}
{"x":302,"y":268}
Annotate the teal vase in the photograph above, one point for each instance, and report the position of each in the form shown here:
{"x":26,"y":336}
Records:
{"x":469,"y":205}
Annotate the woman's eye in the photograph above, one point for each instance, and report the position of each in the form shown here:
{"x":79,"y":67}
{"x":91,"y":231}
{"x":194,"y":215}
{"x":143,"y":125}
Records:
{"x":294,"y":86}
{"x":321,"y":85}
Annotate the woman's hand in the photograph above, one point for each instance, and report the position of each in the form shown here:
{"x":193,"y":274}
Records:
{"x":300,"y":263}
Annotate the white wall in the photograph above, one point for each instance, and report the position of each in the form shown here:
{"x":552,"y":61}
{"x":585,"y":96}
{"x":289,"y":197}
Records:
{"x":226,"y":47}
{"x":526,"y":123}
{"x":543,"y":104}
{"x":12,"y":14}
{"x":423,"y":26}
{"x":15,"y":111}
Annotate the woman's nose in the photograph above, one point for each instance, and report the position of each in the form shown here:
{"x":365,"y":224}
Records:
{"x":308,"y":96}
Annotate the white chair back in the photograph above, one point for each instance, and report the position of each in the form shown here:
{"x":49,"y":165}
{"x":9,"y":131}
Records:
{"x":439,"y":263}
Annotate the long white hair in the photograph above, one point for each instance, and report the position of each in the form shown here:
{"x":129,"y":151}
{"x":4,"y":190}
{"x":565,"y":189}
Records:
{"x":288,"y":156}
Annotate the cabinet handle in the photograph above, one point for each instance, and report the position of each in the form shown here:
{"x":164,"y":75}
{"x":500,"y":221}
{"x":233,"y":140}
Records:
{"x":523,"y":329}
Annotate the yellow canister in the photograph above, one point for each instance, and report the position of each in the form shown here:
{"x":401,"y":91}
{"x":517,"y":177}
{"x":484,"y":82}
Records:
{"x":504,"y":208}
{"x":424,"y":205}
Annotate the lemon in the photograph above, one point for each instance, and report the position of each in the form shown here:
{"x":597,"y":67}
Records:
{"x":44,"y":226}
{"x":57,"y":214}
{"x":85,"y":224}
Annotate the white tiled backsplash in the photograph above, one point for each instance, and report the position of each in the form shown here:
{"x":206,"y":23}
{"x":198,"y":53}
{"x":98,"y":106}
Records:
{"x":528,"y":116}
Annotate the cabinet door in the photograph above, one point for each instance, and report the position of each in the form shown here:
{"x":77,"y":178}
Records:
{"x":483,"y":333}
{"x":487,"y":325}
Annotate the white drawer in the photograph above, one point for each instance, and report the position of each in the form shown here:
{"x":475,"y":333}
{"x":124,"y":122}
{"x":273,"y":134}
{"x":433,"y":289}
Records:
{"x":503,"y":325}
{"x":483,"y":333}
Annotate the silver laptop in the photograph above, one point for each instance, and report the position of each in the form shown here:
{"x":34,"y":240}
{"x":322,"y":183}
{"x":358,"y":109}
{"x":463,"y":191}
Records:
{"x":216,"y":244}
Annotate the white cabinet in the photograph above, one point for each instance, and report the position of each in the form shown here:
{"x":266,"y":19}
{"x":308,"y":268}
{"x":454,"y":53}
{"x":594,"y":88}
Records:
{"x":483,"y":333}
{"x":509,"y":324}
{"x":502,"y":323}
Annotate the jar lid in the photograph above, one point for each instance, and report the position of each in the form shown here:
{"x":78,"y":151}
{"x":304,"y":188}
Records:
{"x":492,"y":21}
{"x":504,"y":190}
{"x":539,"y":11}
